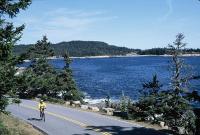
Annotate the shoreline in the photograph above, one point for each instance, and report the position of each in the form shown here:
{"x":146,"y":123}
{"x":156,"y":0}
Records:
{"x":122,"y":56}
{"x":117,"y":56}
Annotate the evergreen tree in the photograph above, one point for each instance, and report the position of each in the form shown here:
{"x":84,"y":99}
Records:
{"x":66,"y":82}
{"x":149,"y":101}
{"x":40,"y":49}
{"x":177,"y":109}
{"x":9,"y":35}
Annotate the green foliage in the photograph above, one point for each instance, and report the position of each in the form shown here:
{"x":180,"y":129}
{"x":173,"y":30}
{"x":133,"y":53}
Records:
{"x":149,"y":101}
{"x":67,"y":84}
{"x":80,"y":48}
{"x":9,"y":35}
{"x":16,"y":101}
{"x":41,"y":78}
{"x":40,"y":49}
{"x":55,"y":100}
{"x":153,"y":51}
{"x":107,"y":101}
{"x":3,"y":129}
{"x":177,"y":110}
{"x":171,"y":105}
{"x":3,"y":104}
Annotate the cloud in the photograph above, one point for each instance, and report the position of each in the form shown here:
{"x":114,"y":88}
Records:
{"x":59,"y":24}
{"x":169,"y":10}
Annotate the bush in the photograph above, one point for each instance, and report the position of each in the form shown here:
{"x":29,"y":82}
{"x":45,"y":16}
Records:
{"x":3,"y":129}
{"x":16,"y":101}
{"x":55,"y":100}
{"x":3,"y":104}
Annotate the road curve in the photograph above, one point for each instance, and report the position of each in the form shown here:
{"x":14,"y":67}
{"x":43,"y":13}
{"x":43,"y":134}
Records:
{"x":67,"y":121}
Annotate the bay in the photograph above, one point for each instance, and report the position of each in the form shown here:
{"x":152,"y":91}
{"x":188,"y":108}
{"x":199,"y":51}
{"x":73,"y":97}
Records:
{"x":99,"y":77}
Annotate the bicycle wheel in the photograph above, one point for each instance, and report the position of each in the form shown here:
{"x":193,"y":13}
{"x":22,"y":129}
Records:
{"x":44,"y":116}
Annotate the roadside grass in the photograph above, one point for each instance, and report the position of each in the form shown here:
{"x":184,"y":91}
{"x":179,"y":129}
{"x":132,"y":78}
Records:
{"x":13,"y":126}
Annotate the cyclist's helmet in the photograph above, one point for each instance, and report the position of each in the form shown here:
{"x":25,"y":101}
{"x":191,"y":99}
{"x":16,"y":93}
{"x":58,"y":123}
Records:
{"x":41,"y":100}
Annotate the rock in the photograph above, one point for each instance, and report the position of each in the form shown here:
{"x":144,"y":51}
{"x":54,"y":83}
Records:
{"x":166,"y":127}
{"x":67,"y":103}
{"x":76,"y":103}
{"x":162,"y":124}
{"x":158,"y":115}
{"x":150,"y":118}
{"x":95,"y":109}
{"x":84,"y":107}
{"x":181,"y":130}
{"x":108,"y":111}
{"x":73,"y":105}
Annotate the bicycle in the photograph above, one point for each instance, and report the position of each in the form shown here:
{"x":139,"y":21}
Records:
{"x":42,"y":114}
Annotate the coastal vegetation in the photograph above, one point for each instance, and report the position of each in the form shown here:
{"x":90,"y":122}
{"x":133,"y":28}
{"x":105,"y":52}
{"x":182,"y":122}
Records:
{"x":41,"y":78}
{"x":169,"y":104}
{"x":80,"y":49}
{"x":96,"y":48}
{"x":9,"y":35}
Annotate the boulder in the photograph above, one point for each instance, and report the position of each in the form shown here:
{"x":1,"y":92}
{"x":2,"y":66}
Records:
{"x":181,"y":130}
{"x":93,"y":108}
{"x":163,"y":126}
{"x":77,"y":103}
{"x":67,"y":103}
{"x":73,"y":105}
{"x":108,"y":111}
{"x":84,"y":107}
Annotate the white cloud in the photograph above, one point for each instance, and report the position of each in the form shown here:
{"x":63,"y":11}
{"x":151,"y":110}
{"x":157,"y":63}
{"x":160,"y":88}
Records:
{"x":169,"y":10}
{"x":59,"y":23}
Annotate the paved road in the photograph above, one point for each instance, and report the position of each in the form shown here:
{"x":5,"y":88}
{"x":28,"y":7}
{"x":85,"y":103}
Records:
{"x":67,"y":121}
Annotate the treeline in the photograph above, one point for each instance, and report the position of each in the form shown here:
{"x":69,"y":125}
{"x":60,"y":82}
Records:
{"x":97,"y":48}
{"x":166,"y":51}
{"x":81,"y":48}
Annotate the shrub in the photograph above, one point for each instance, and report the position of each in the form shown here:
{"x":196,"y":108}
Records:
{"x":16,"y":101}
{"x":3,"y":129}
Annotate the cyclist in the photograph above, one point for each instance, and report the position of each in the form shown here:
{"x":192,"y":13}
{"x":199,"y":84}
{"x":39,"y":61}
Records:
{"x":41,"y":107}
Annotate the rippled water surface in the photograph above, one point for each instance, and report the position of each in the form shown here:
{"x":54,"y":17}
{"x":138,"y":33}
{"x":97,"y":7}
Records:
{"x":101,"y":76}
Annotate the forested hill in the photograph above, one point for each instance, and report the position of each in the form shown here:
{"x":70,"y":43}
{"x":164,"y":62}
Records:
{"x":81,"y":48}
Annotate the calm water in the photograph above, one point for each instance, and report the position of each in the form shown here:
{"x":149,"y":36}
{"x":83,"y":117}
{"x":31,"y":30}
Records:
{"x":99,"y":77}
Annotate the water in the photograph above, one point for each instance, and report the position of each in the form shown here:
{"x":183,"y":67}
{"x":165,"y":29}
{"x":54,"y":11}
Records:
{"x":99,"y":77}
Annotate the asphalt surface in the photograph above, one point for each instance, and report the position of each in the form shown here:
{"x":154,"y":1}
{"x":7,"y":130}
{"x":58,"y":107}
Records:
{"x":67,"y":121}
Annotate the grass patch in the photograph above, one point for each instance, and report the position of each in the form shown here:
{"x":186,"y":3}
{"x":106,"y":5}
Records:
{"x":13,"y":126}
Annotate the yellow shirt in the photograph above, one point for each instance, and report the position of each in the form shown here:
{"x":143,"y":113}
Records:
{"x":41,"y":105}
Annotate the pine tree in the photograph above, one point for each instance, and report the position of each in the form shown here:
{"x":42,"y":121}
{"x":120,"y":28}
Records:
{"x":149,"y":101}
{"x":41,"y":49}
{"x":66,"y":82}
{"x":177,"y":110}
{"x":9,"y":35}
{"x":40,"y":76}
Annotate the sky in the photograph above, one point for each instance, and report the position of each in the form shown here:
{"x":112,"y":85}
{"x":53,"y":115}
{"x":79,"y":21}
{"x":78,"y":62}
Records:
{"x":139,"y":24}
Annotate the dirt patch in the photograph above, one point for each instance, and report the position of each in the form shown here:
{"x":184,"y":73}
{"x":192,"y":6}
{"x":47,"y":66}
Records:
{"x":18,"y":127}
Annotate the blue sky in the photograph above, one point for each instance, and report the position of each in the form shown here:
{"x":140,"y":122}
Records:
{"x":132,"y":23}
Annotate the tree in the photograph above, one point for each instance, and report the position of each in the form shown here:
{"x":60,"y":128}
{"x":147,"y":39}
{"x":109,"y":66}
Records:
{"x":66,"y":82}
{"x":40,"y":49}
{"x":149,"y":102}
{"x":42,"y":78}
{"x":171,"y":105}
{"x":177,"y":110}
{"x":9,"y":35}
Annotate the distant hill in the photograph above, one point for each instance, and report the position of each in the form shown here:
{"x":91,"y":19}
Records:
{"x":81,"y":48}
